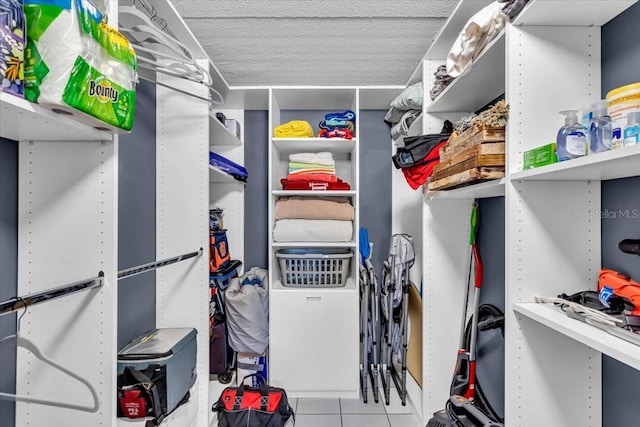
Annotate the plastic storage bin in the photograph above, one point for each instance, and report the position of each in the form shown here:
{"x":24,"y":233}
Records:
{"x":174,"y":351}
{"x":314,"y":268}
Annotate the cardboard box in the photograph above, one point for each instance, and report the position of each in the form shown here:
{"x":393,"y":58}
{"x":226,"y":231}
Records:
{"x":540,"y":156}
{"x":414,"y":351}
{"x":248,"y":364}
{"x":12,"y":44}
{"x":233,"y":126}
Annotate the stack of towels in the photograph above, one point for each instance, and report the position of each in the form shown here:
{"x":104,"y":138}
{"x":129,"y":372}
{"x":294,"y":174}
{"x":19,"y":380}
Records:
{"x":313,"y":219}
{"x":294,"y":129}
{"x":312,"y":171}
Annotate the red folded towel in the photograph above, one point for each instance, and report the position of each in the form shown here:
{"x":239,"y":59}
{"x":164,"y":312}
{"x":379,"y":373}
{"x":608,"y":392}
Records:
{"x":314,"y":185}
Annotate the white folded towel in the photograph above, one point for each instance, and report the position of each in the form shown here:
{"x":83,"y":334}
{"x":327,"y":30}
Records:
{"x":322,"y":158}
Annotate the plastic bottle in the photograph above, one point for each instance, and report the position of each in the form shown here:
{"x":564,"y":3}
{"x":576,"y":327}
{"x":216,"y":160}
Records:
{"x":587,"y":115}
{"x":571,"y":139}
{"x":600,"y":129}
{"x":632,"y":129}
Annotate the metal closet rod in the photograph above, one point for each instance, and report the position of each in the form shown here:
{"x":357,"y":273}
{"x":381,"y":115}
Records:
{"x":17,"y":303}
{"x":157,"y":264}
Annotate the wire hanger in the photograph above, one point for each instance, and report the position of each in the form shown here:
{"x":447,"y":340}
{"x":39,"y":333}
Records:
{"x":148,"y":39}
{"x":25,"y":343}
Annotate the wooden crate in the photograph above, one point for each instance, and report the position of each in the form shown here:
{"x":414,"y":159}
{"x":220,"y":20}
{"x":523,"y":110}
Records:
{"x":476,"y":155}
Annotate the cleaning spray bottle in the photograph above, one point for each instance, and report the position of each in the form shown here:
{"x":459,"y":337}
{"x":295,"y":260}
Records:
{"x":571,"y":141}
{"x":600,"y":129}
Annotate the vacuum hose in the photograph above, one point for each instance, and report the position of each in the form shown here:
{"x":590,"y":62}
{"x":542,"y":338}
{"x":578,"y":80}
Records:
{"x":489,"y":317}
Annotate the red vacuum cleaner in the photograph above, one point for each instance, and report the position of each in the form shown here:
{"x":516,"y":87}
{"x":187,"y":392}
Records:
{"x":467,"y":406}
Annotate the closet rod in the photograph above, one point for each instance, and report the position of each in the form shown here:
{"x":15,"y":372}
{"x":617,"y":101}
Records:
{"x":17,"y":303}
{"x":157,"y":264}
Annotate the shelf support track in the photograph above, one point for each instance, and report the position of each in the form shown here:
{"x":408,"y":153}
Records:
{"x":18,"y":303}
{"x":143,"y":268}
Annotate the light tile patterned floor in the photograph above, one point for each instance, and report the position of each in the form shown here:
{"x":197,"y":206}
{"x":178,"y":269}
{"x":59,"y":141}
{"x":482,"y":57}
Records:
{"x":353,"y":413}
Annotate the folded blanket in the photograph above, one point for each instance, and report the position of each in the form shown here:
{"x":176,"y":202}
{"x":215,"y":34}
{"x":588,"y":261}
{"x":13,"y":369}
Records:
{"x":314,"y":208}
{"x":294,"y":129}
{"x":322,"y":158}
{"x":312,"y":230}
{"x":325,"y":177}
{"x":327,"y":170}
{"x":483,"y":27}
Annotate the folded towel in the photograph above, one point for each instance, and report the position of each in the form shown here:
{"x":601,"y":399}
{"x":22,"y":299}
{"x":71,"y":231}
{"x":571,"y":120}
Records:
{"x":294,"y":165}
{"x":311,"y":185}
{"x":322,"y":158}
{"x":334,"y":118}
{"x":336,"y":133}
{"x":348,"y":125}
{"x":294,"y":171}
{"x":313,"y":208}
{"x":312,"y":230}
{"x":294,"y":129}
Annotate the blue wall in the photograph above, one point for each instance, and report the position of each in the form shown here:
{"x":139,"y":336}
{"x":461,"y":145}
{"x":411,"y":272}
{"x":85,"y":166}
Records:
{"x":256,"y":192}
{"x":620,"y":66}
{"x":137,"y":218}
{"x":8,"y":268}
{"x":490,"y":354}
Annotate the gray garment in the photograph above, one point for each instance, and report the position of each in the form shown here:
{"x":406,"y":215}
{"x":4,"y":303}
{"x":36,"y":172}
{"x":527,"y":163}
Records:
{"x":513,"y":7}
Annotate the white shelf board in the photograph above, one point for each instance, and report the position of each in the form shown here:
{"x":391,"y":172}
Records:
{"x":482,"y":190}
{"x":442,"y":42}
{"x":455,"y":24}
{"x":277,"y":286}
{"x":295,"y":145}
{"x":184,"y":415}
{"x":219,"y":135}
{"x":588,"y":335}
{"x":330,"y":98}
{"x":314,"y":244}
{"x":21,"y":120}
{"x":614,"y":164}
{"x":221,"y":177}
{"x":571,"y":12}
{"x":337,"y":193}
{"x":481,"y":85}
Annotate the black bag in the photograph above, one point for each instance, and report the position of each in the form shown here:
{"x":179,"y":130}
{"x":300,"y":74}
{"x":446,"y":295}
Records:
{"x":418,"y":147}
{"x":246,"y":406}
{"x":147,"y":382}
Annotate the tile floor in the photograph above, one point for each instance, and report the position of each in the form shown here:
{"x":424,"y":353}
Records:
{"x":353,"y":413}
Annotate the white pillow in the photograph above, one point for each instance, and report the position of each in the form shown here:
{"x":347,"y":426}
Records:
{"x":410,"y":98}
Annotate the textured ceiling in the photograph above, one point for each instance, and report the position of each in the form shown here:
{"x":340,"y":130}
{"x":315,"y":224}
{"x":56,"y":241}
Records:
{"x":322,"y":42}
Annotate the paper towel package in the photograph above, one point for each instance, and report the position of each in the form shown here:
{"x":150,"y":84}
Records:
{"x":12,"y":28}
{"x":78,"y":65}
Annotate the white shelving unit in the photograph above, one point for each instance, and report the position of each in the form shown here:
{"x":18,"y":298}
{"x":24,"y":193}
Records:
{"x":553,"y":241}
{"x":21,"y":121}
{"x":303,"y":321}
{"x":475,"y":89}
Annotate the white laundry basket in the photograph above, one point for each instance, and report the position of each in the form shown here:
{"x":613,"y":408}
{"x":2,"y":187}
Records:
{"x":314,"y":268}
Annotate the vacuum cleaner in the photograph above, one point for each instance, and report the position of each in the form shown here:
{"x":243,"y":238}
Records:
{"x":467,"y":406}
